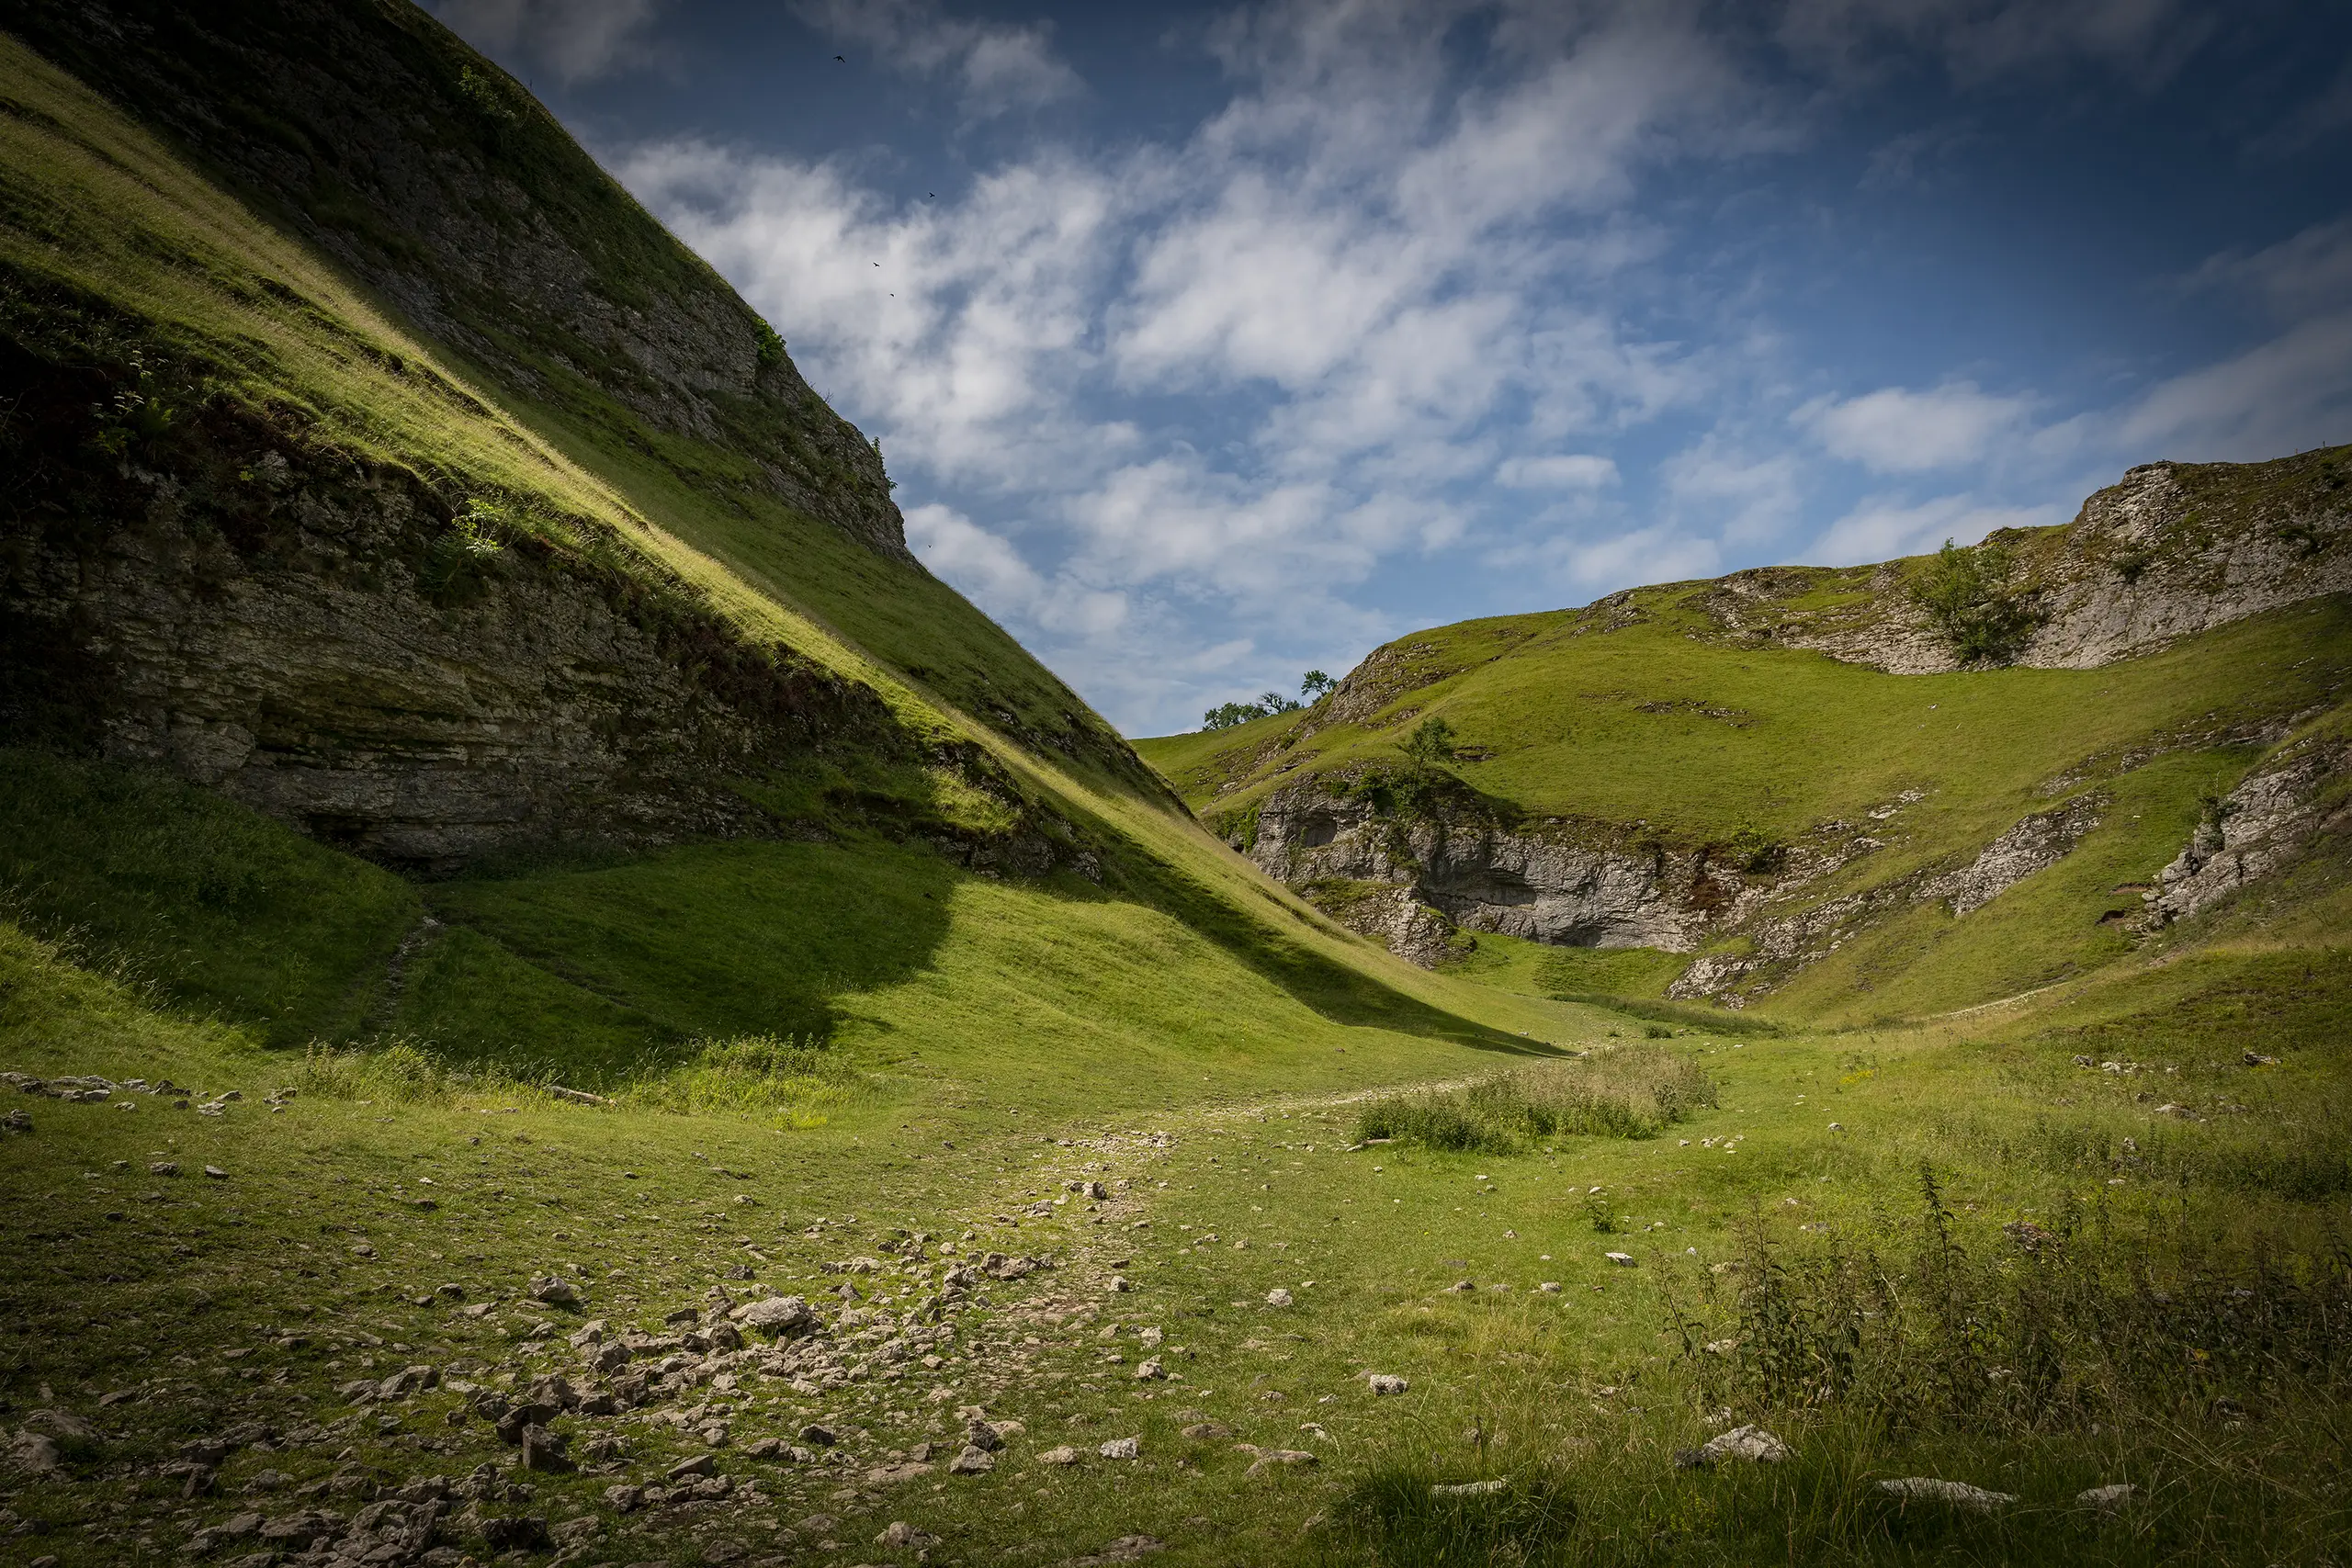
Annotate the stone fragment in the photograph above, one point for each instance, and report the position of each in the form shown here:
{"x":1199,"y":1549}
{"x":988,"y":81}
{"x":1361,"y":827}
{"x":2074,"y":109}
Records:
{"x":698,"y":1464}
{"x":900,"y":1536}
{"x":1470,"y":1488}
{"x":577,"y":1532}
{"x":2107,"y":1499}
{"x":1121,"y":1448}
{"x":1151,"y":1371}
{"x":553,"y":1290}
{"x":983,"y":1436}
{"x":1207,"y":1431}
{"x":973,"y":1461}
{"x":164,"y":1167}
{"x":1753,"y":1444}
{"x":215,"y":1173}
{"x":1278,"y":1297}
{"x":34,"y":1452}
{"x":1268,"y":1459}
{"x":1385,"y":1383}
{"x":1061,"y":1453}
{"x":545,"y":1451}
{"x":777,"y":1316}
{"x":1959,"y":1494}
{"x":1622,"y":1259}
{"x":821,"y":1436}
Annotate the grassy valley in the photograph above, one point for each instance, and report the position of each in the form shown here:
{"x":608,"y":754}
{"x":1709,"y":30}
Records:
{"x":884,"y":1123}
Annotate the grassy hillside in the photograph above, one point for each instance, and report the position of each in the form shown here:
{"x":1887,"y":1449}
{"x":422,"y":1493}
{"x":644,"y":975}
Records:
{"x":1638,"y":718}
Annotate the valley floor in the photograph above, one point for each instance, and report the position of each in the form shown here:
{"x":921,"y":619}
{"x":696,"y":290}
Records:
{"x":281,"y":1327}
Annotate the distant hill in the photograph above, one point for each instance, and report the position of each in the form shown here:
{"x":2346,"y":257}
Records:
{"x":1798,"y":787}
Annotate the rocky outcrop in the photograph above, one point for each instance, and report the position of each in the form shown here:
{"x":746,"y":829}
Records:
{"x":311,"y":635}
{"x":434,"y":176}
{"x":2174,"y":549}
{"x":1574,"y":885}
{"x":2035,"y":844}
{"x":2256,"y":829}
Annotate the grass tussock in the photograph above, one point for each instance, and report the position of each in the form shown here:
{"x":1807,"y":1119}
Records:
{"x":1403,"y":1515}
{"x":1625,"y":1093}
{"x":2073,"y":1325}
{"x":789,"y":1079}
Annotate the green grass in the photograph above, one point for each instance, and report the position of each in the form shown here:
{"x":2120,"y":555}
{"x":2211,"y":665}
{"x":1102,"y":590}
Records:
{"x":1651,"y":728}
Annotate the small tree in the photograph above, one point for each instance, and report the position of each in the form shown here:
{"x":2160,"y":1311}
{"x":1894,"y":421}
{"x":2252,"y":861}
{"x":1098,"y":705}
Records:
{"x":1431,"y":743}
{"x":1315,"y":685}
{"x":1965,"y":593}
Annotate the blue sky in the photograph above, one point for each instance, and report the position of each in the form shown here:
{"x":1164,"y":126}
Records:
{"x":1212,"y":343}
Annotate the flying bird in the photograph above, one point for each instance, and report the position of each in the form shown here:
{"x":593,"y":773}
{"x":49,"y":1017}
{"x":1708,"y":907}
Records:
{"x":841,"y":59}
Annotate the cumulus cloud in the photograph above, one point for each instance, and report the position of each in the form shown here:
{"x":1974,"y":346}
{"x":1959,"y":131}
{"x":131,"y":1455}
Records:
{"x":578,"y":39}
{"x":1883,"y":527}
{"x":998,"y":67}
{"x":2285,"y":395}
{"x":1579,"y":470}
{"x":1896,"y":431}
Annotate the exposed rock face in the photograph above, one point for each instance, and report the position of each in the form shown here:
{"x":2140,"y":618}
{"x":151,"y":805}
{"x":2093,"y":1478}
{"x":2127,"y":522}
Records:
{"x":2174,"y":549}
{"x":434,"y":178}
{"x":265,"y":620}
{"x":2036,"y":843}
{"x":1547,"y":888}
{"x":2262,"y":824}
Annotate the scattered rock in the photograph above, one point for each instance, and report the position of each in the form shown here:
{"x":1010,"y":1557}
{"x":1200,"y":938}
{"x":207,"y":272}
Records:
{"x":1126,"y":1548}
{"x":822,"y":1436}
{"x":1959,"y":1494}
{"x":544,"y":1450}
{"x":1121,"y":1284}
{"x":1151,"y":1371}
{"x":216,"y":1173}
{"x":1387,"y":1382}
{"x":1122,"y":1448}
{"x":901,"y":1536}
{"x":777,"y":1316}
{"x":2107,"y":1499}
{"x":698,"y":1464}
{"x":1062,"y":1454}
{"x":1278,"y":1297}
{"x":1470,"y":1488}
{"x":973,"y":1461}
{"x":1753,"y":1444}
{"x":34,"y":1452}
{"x":553,"y":1290}
{"x":1266,"y":1459}
{"x":1208,"y":1431}
{"x":1461,"y":1288}
{"x":1622,"y":1259}
{"x":578,"y":1531}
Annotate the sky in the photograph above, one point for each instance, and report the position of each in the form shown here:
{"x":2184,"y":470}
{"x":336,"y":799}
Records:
{"x":1211,"y":344}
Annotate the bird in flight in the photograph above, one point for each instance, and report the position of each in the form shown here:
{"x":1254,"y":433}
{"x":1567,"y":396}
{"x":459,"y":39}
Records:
{"x":841,"y":59}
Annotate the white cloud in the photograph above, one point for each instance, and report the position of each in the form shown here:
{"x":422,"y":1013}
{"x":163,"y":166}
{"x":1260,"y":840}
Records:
{"x":578,"y":39}
{"x":2306,"y":274}
{"x":1882,"y":528}
{"x":999,"y":67}
{"x":1566,"y":471}
{"x":1741,"y":499}
{"x":2287,"y":395}
{"x":1895,"y":431}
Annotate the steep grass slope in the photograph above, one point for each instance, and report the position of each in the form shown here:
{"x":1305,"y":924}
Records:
{"x":228,"y":359}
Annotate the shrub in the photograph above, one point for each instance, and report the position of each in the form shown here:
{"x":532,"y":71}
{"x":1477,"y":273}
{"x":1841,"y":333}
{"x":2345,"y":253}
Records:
{"x":1965,"y":592}
{"x":1431,"y":743}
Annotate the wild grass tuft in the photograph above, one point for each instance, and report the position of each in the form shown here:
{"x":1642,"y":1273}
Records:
{"x":1406,"y":1516}
{"x":1626,"y":1093}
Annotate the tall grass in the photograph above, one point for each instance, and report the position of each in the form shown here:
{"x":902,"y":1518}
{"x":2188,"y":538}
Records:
{"x":762,"y":1076}
{"x":1632,"y":1092}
